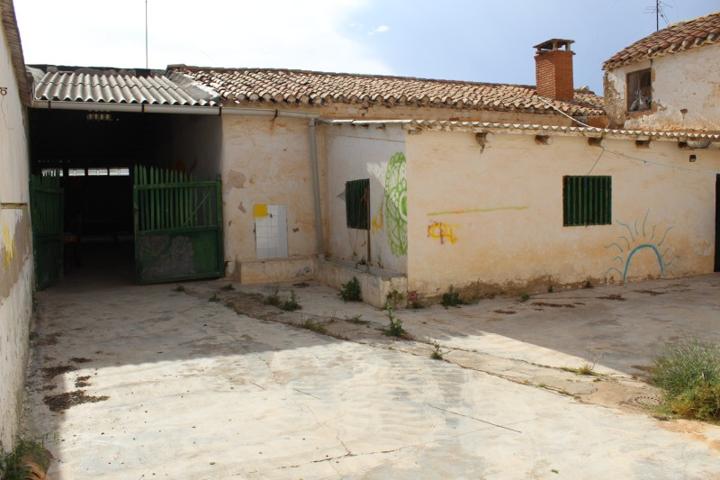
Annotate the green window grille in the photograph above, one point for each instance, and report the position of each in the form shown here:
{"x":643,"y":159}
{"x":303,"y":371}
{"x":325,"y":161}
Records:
{"x":587,"y":200}
{"x":357,"y":203}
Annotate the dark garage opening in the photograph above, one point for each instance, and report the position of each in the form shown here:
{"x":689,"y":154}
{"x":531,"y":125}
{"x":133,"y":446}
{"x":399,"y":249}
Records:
{"x":94,"y":154}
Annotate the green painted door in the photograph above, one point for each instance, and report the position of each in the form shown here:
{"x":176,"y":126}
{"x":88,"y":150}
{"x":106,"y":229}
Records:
{"x":178,"y":226}
{"x":46,"y":211}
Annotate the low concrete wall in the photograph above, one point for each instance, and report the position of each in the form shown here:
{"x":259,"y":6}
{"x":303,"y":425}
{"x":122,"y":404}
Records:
{"x":375,"y":284}
{"x":277,"y":270}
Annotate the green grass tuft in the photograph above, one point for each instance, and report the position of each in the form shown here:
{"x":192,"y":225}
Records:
{"x":350,"y":291}
{"x":689,"y":375}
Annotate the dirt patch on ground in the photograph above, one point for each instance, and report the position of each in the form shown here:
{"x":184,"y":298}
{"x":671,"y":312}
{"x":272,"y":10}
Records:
{"x":651,"y":292}
{"x":52,"y":372}
{"x":80,"y":360}
{"x":693,"y":429}
{"x":81,"y":382}
{"x":63,"y":401}
{"x":613,"y":296}
{"x":553,"y":305}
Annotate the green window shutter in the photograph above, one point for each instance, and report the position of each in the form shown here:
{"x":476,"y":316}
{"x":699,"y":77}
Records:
{"x":357,"y":203}
{"x":587,"y":200}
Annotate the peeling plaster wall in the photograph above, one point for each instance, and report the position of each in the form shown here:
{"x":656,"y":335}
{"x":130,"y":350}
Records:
{"x":355,"y":153}
{"x":491,"y":220}
{"x":15,"y":251}
{"x":267,"y":161}
{"x":688,"y":80}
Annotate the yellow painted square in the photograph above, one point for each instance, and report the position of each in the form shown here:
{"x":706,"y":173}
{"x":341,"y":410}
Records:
{"x":260,"y":210}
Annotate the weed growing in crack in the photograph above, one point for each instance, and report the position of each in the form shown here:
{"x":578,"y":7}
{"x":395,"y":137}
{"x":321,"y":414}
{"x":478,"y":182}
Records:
{"x":357,"y":320}
{"x":29,"y":460}
{"x":350,"y":291}
{"x":436,"y":353}
{"x":395,"y":327}
{"x":451,"y":298}
{"x":524,"y":297}
{"x":394,"y":299}
{"x":291,"y":304}
{"x":272,"y":299}
{"x":586,"y":369}
{"x":314,"y":326}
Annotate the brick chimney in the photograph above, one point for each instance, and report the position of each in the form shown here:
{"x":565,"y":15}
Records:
{"x":554,"y":69}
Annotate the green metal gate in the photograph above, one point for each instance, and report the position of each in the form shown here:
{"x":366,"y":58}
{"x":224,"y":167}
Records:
{"x":178,"y":226}
{"x":47,"y":213}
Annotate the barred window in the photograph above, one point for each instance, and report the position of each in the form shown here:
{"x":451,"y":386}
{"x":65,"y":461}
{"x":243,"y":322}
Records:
{"x":587,"y":200}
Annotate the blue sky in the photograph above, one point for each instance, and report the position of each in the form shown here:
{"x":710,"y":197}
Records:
{"x":482,"y":40}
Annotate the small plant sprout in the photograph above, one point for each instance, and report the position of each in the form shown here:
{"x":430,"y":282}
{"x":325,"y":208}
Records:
{"x":395,"y":327}
{"x":436,"y":353}
{"x":314,"y":326}
{"x":273,"y":299}
{"x":291,"y":304}
{"x":350,"y":291}
{"x":394,"y":298}
{"x":451,"y":298}
{"x":524,"y":297}
{"x":586,"y":369}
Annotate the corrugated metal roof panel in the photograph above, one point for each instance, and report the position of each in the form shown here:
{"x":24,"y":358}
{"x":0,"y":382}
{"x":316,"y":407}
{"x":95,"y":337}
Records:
{"x":111,"y":86}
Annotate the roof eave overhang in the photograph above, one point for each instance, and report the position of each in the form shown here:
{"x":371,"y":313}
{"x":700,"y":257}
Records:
{"x":126,"y":107}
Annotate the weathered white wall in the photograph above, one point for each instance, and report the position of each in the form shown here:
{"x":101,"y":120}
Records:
{"x":493,"y":220}
{"x":15,"y":251}
{"x":355,"y":153}
{"x":266,"y":161}
{"x":688,"y":80}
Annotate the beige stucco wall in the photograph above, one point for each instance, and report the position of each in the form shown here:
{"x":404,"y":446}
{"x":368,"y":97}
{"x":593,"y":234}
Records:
{"x":355,"y":153}
{"x":15,"y":251}
{"x":492,"y":219}
{"x":266,"y":160}
{"x":688,"y":80}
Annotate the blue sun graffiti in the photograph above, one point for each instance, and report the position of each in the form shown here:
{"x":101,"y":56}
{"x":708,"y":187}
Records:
{"x":639,"y":237}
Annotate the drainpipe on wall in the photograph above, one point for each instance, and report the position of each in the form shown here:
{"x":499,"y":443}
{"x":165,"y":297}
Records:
{"x":320,"y":238}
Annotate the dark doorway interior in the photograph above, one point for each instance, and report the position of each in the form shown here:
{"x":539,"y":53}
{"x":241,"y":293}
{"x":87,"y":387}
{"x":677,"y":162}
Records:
{"x":95,"y":153}
{"x":717,"y":223}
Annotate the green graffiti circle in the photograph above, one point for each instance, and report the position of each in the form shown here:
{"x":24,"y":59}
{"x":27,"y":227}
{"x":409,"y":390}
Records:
{"x":396,"y":204}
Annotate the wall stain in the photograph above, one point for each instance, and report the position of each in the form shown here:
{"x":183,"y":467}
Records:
{"x":378,"y":219}
{"x":476,"y":210}
{"x":443,"y":232}
{"x":14,"y":250}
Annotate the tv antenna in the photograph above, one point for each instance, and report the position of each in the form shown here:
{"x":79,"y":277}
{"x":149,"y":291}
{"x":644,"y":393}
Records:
{"x":659,"y":10}
{"x":147,"y":63}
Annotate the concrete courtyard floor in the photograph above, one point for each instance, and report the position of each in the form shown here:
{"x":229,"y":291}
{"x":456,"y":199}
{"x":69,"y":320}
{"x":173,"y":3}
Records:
{"x":207,"y":382}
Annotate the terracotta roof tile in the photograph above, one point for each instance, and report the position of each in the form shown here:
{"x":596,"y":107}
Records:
{"x":264,"y":85}
{"x":675,"y":38}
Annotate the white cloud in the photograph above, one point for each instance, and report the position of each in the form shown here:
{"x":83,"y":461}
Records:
{"x":270,"y":33}
{"x":379,"y":29}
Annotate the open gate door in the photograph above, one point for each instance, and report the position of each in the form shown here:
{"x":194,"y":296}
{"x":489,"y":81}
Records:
{"x":178,"y":226}
{"x":47,"y":213}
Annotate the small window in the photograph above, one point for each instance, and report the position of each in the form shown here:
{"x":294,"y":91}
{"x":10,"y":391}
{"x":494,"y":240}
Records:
{"x":120,"y":172}
{"x":52,"y":172}
{"x":357,"y":203}
{"x":639,"y":91}
{"x":97,"y":172}
{"x":76,"y":172}
{"x":587,"y":200}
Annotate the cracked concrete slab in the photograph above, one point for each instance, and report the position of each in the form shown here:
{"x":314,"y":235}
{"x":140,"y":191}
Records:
{"x":197,"y":391}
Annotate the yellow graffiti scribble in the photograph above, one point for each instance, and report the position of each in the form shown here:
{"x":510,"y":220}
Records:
{"x":9,"y":249}
{"x":442,"y":232}
{"x":476,"y":210}
{"x":378,"y":221}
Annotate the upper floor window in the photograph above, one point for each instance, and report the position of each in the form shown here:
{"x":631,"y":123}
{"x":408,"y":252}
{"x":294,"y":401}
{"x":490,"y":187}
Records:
{"x":639,"y":90}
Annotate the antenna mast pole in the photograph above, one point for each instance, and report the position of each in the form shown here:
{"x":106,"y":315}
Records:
{"x":657,"y":14}
{"x":146,"y":35}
